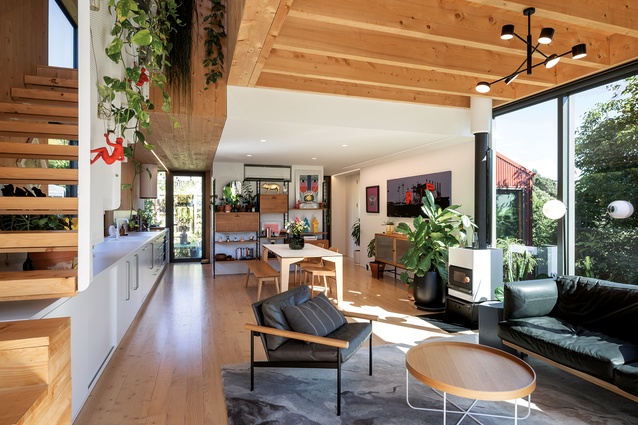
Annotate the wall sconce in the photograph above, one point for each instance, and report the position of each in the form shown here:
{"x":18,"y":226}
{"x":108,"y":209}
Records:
{"x":554,"y":209}
{"x":547,"y":34}
{"x":148,"y":181}
{"x":95,"y":5}
{"x":620,"y":209}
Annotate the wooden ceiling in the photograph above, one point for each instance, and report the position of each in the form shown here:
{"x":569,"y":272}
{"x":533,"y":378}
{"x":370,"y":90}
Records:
{"x":424,"y":51}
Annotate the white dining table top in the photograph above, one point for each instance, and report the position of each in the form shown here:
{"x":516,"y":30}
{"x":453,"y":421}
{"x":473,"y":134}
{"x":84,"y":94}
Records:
{"x":309,"y":250}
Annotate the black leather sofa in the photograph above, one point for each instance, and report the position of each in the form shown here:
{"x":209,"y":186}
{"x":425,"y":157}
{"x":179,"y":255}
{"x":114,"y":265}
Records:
{"x":585,"y":326}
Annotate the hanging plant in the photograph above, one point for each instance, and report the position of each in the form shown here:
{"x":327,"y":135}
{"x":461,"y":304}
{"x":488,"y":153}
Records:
{"x":140,"y":44}
{"x":215,"y":33}
{"x":178,"y":74}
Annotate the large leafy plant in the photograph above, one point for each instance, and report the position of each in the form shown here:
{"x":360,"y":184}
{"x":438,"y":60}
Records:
{"x":431,"y":238}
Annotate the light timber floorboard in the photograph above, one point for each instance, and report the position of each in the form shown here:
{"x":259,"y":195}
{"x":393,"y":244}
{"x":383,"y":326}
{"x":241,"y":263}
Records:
{"x":167,"y":370}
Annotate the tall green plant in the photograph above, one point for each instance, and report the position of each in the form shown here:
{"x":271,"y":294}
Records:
{"x":431,"y":239}
{"x":517,"y":266}
{"x":355,"y":232}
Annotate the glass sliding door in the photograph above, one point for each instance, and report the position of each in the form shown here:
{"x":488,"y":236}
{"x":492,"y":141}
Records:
{"x":187,"y":218}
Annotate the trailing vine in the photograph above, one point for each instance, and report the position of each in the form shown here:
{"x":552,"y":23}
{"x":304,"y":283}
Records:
{"x":140,"y":44}
{"x":215,"y":33}
{"x":178,"y":74}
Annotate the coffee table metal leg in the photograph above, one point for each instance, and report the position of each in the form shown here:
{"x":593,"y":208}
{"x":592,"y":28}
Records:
{"x":466,"y":412}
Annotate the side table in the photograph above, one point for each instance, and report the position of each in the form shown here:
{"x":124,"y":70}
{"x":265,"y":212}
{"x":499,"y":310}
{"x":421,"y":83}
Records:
{"x":489,"y":314}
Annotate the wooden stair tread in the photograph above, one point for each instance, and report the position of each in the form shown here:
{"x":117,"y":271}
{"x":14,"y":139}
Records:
{"x":34,"y":129}
{"x":38,"y":284}
{"x":17,"y":335}
{"x":35,"y":205}
{"x":19,"y":175}
{"x":63,"y":83}
{"x":56,"y":72}
{"x":48,"y":113}
{"x":18,"y":401}
{"x":39,"y":241}
{"x":44,"y":95}
{"x":37,"y":151}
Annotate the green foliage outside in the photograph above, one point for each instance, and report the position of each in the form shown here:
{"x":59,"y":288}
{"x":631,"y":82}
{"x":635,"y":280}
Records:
{"x":606,"y":154}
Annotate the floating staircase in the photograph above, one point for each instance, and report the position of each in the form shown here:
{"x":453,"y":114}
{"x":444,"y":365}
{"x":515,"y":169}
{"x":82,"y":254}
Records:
{"x":45,"y":108}
{"x":35,"y":372}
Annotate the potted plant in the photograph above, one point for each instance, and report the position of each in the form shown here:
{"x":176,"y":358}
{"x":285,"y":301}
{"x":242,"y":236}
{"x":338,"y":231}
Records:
{"x":355,"y":232}
{"x":376,"y":267}
{"x":427,"y":258}
{"x":389,"y":226}
{"x":229,"y":198}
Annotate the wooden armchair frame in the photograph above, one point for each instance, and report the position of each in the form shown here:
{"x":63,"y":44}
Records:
{"x":260,"y":331}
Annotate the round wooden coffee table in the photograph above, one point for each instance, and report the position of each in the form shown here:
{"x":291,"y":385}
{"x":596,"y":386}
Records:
{"x":471,"y":371}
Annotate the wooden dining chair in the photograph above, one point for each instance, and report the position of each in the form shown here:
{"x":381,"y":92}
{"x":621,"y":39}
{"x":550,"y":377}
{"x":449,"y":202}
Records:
{"x":309,"y":260}
{"x":325,"y":270}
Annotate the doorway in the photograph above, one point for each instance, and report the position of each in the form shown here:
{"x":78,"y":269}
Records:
{"x":186,"y":216}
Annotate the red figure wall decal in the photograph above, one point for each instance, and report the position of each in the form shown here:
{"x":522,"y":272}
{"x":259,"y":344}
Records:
{"x":103,"y":152}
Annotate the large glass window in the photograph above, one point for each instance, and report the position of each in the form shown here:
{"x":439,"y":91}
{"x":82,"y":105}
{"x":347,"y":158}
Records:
{"x":605,"y":137}
{"x":601,"y":168}
{"x":61,"y":38}
{"x":526,"y":170}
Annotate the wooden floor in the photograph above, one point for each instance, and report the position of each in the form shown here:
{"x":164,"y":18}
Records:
{"x":167,"y":370}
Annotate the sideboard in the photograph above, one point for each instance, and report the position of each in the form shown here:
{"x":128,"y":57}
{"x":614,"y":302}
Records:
{"x":390,"y":247}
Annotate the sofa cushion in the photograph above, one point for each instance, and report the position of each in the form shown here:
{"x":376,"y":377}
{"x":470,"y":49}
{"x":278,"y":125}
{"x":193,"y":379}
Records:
{"x":317,"y":316}
{"x":271,"y":308}
{"x":592,"y":352}
{"x":529,"y":298}
{"x":294,"y":350}
{"x":599,"y":305}
{"x":626,"y":378}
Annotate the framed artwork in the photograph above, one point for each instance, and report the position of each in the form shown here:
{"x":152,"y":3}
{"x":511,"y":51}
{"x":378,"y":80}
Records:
{"x":372,"y":199}
{"x":308,"y":189}
{"x":405,"y":193}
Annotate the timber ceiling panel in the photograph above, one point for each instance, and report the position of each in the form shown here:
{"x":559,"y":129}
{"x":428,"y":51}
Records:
{"x":426,"y":52}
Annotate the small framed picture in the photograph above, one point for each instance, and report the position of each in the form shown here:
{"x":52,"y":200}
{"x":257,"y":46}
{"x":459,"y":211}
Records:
{"x":372,"y":199}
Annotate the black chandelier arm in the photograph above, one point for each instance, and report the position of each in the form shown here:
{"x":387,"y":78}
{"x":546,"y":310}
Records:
{"x":519,"y":70}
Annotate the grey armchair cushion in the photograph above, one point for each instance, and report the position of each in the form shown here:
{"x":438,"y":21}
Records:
{"x":317,"y":316}
{"x":274,"y":316}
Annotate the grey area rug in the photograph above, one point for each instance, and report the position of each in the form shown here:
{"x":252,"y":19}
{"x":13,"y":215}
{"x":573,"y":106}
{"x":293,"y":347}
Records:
{"x":308,"y":396}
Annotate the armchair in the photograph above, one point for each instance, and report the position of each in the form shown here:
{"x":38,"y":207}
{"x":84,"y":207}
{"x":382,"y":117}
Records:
{"x":293,"y":338}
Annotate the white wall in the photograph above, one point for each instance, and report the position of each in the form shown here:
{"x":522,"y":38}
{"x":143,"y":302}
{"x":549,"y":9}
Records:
{"x":458,"y":158}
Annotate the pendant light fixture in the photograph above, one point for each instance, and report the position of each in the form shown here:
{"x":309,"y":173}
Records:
{"x":547,"y":34}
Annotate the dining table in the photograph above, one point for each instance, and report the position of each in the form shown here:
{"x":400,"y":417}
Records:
{"x":287,"y":257}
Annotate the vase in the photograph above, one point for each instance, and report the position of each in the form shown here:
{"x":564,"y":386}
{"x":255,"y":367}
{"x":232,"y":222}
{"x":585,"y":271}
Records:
{"x":429,"y":292}
{"x":296,"y":242}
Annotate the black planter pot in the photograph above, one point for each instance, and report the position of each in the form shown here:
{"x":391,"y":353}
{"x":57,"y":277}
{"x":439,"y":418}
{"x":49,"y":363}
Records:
{"x":429,"y":292}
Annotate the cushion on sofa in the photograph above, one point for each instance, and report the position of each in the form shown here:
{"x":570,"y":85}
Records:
{"x":599,"y":305}
{"x":592,"y":352}
{"x":529,"y":298}
{"x":317,"y":316}
{"x":274,"y":315}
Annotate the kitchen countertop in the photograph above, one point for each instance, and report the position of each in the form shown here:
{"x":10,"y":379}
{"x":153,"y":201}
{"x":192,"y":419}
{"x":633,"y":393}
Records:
{"x":106,"y":254}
